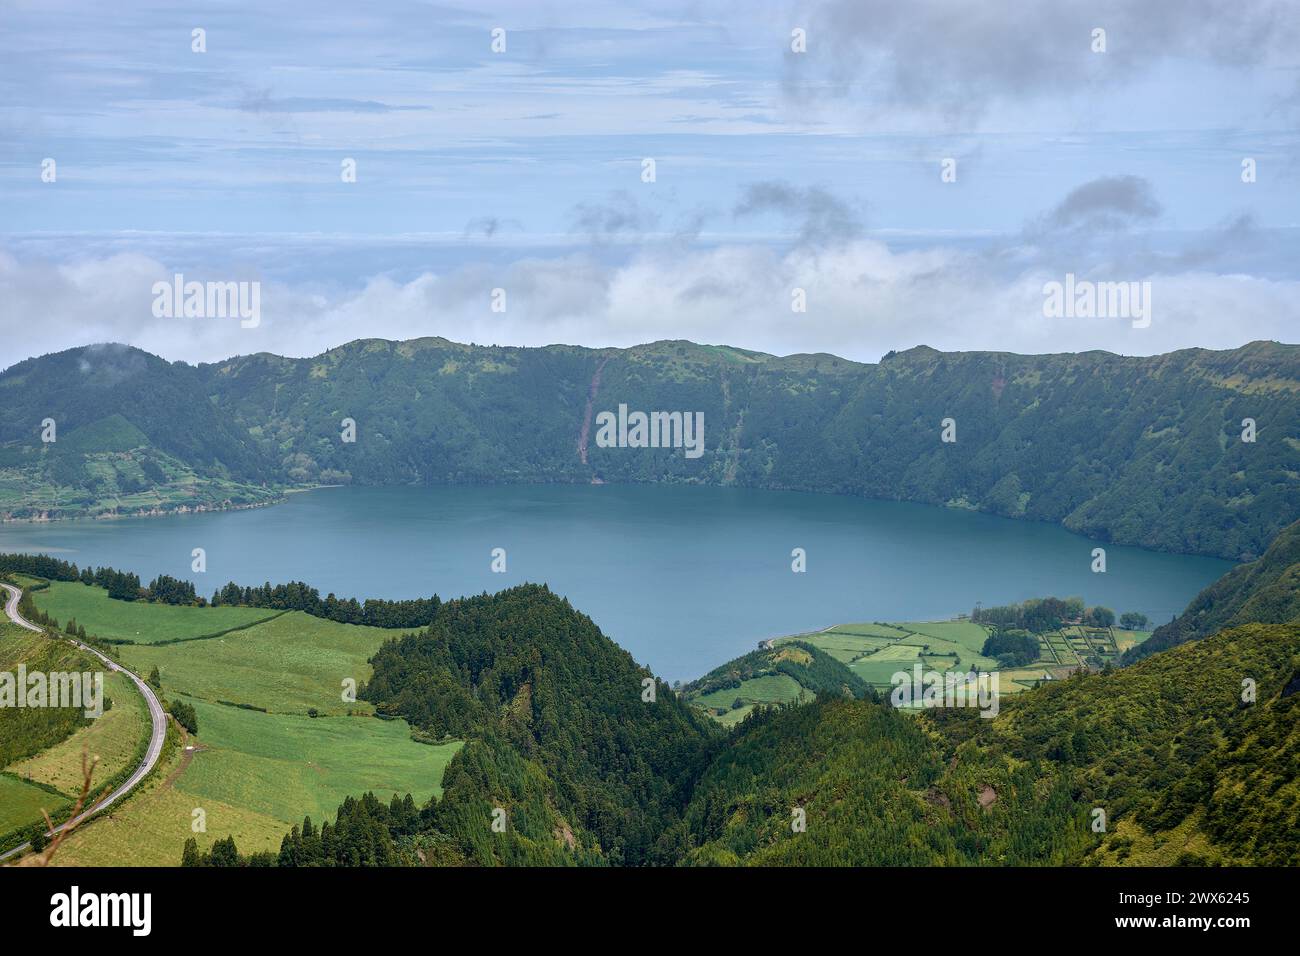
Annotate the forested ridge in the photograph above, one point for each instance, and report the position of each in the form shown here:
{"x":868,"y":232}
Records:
{"x":1266,"y":590}
{"x":1182,"y":769}
{"x":522,"y":673}
{"x":1143,"y":451}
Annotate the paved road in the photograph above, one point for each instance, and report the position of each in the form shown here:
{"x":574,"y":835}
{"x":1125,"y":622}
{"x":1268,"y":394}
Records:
{"x":156,"y":716}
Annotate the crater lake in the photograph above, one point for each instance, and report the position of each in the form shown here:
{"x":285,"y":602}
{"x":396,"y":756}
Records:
{"x":683,"y":577}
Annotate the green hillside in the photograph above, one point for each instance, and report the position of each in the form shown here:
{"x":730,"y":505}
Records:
{"x":1266,"y":590}
{"x":1165,"y":748}
{"x":794,"y":672}
{"x":1143,"y":451}
{"x":564,"y":736}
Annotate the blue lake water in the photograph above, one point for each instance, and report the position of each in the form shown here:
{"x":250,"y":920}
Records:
{"x":683,"y":577}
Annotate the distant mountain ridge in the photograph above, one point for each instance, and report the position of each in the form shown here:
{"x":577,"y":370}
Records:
{"x":1143,"y":451}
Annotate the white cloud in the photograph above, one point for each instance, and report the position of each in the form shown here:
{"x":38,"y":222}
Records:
{"x":864,"y":298}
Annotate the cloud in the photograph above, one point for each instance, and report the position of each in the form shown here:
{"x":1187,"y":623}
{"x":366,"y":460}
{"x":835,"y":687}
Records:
{"x":489,"y":226}
{"x":822,"y":218}
{"x":863,"y":299}
{"x":1106,"y":204}
{"x":619,"y":216}
{"x":955,"y":58}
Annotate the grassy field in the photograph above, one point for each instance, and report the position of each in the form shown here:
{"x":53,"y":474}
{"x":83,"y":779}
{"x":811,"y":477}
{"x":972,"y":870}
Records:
{"x":115,"y":738}
{"x":151,"y":827}
{"x":254,"y":776}
{"x":876,"y":651}
{"x":768,"y":689}
{"x":253,"y":773}
{"x":50,"y":778}
{"x":136,"y":621}
{"x":845,"y":647}
{"x":290,"y":664}
{"x":21,"y":803}
{"x":286,"y":766}
{"x":964,"y":633}
{"x":27,"y":731}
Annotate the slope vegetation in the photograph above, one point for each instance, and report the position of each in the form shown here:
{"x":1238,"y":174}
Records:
{"x":1266,"y":590}
{"x":1144,"y":451}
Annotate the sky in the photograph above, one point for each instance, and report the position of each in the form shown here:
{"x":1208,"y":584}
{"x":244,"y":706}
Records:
{"x":799,"y":152}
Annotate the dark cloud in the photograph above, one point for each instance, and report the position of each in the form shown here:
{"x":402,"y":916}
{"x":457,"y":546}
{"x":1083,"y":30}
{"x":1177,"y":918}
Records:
{"x":620,"y":215}
{"x":956,"y":57}
{"x":1108,"y":203}
{"x":489,"y":226}
{"x":823,"y":218}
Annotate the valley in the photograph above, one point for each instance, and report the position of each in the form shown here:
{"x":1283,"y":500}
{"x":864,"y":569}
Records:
{"x":425,"y":700}
{"x":1113,"y":447}
{"x":481,"y":707}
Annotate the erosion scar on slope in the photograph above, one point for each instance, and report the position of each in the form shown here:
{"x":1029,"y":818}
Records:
{"x":586,"y":416}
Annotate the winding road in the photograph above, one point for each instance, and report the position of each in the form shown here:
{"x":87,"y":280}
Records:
{"x":156,"y":716}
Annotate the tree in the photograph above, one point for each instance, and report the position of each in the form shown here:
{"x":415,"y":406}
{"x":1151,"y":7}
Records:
{"x":224,"y":853}
{"x":1133,"y":621}
{"x":185,"y":715}
{"x":38,"y":838}
{"x":1100,"y":616}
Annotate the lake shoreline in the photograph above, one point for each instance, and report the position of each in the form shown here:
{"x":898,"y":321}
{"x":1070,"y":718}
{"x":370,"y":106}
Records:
{"x":286,"y":493}
{"x":683,"y":578}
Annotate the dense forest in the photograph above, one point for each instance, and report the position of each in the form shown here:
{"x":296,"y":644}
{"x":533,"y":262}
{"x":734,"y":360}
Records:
{"x":1144,"y":451}
{"x":1267,"y":590}
{"x":1178,"y":769}
{"x":559,"y":717}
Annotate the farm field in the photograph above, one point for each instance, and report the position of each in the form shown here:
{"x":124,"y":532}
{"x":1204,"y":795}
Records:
{"x":135,"y":621}
{"x":254,"y":776}
{"x":115,"y":738}
{"x":26,"y":732}
{"x":845,"y":647}
{"x":21,"y":803}
{"x":293,"y":663}
{"x":768,"y":689}
{"x":876,"y":651}
{"x":285,"y":766}
{"x":150,"y":828}
{"x":255,"y":770}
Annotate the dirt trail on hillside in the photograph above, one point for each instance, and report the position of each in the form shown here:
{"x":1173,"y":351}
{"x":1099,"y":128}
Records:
{"x":585,"y":434}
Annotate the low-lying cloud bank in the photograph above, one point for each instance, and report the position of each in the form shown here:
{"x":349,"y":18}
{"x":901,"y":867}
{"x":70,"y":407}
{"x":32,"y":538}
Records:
{"x":862,"y":298}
